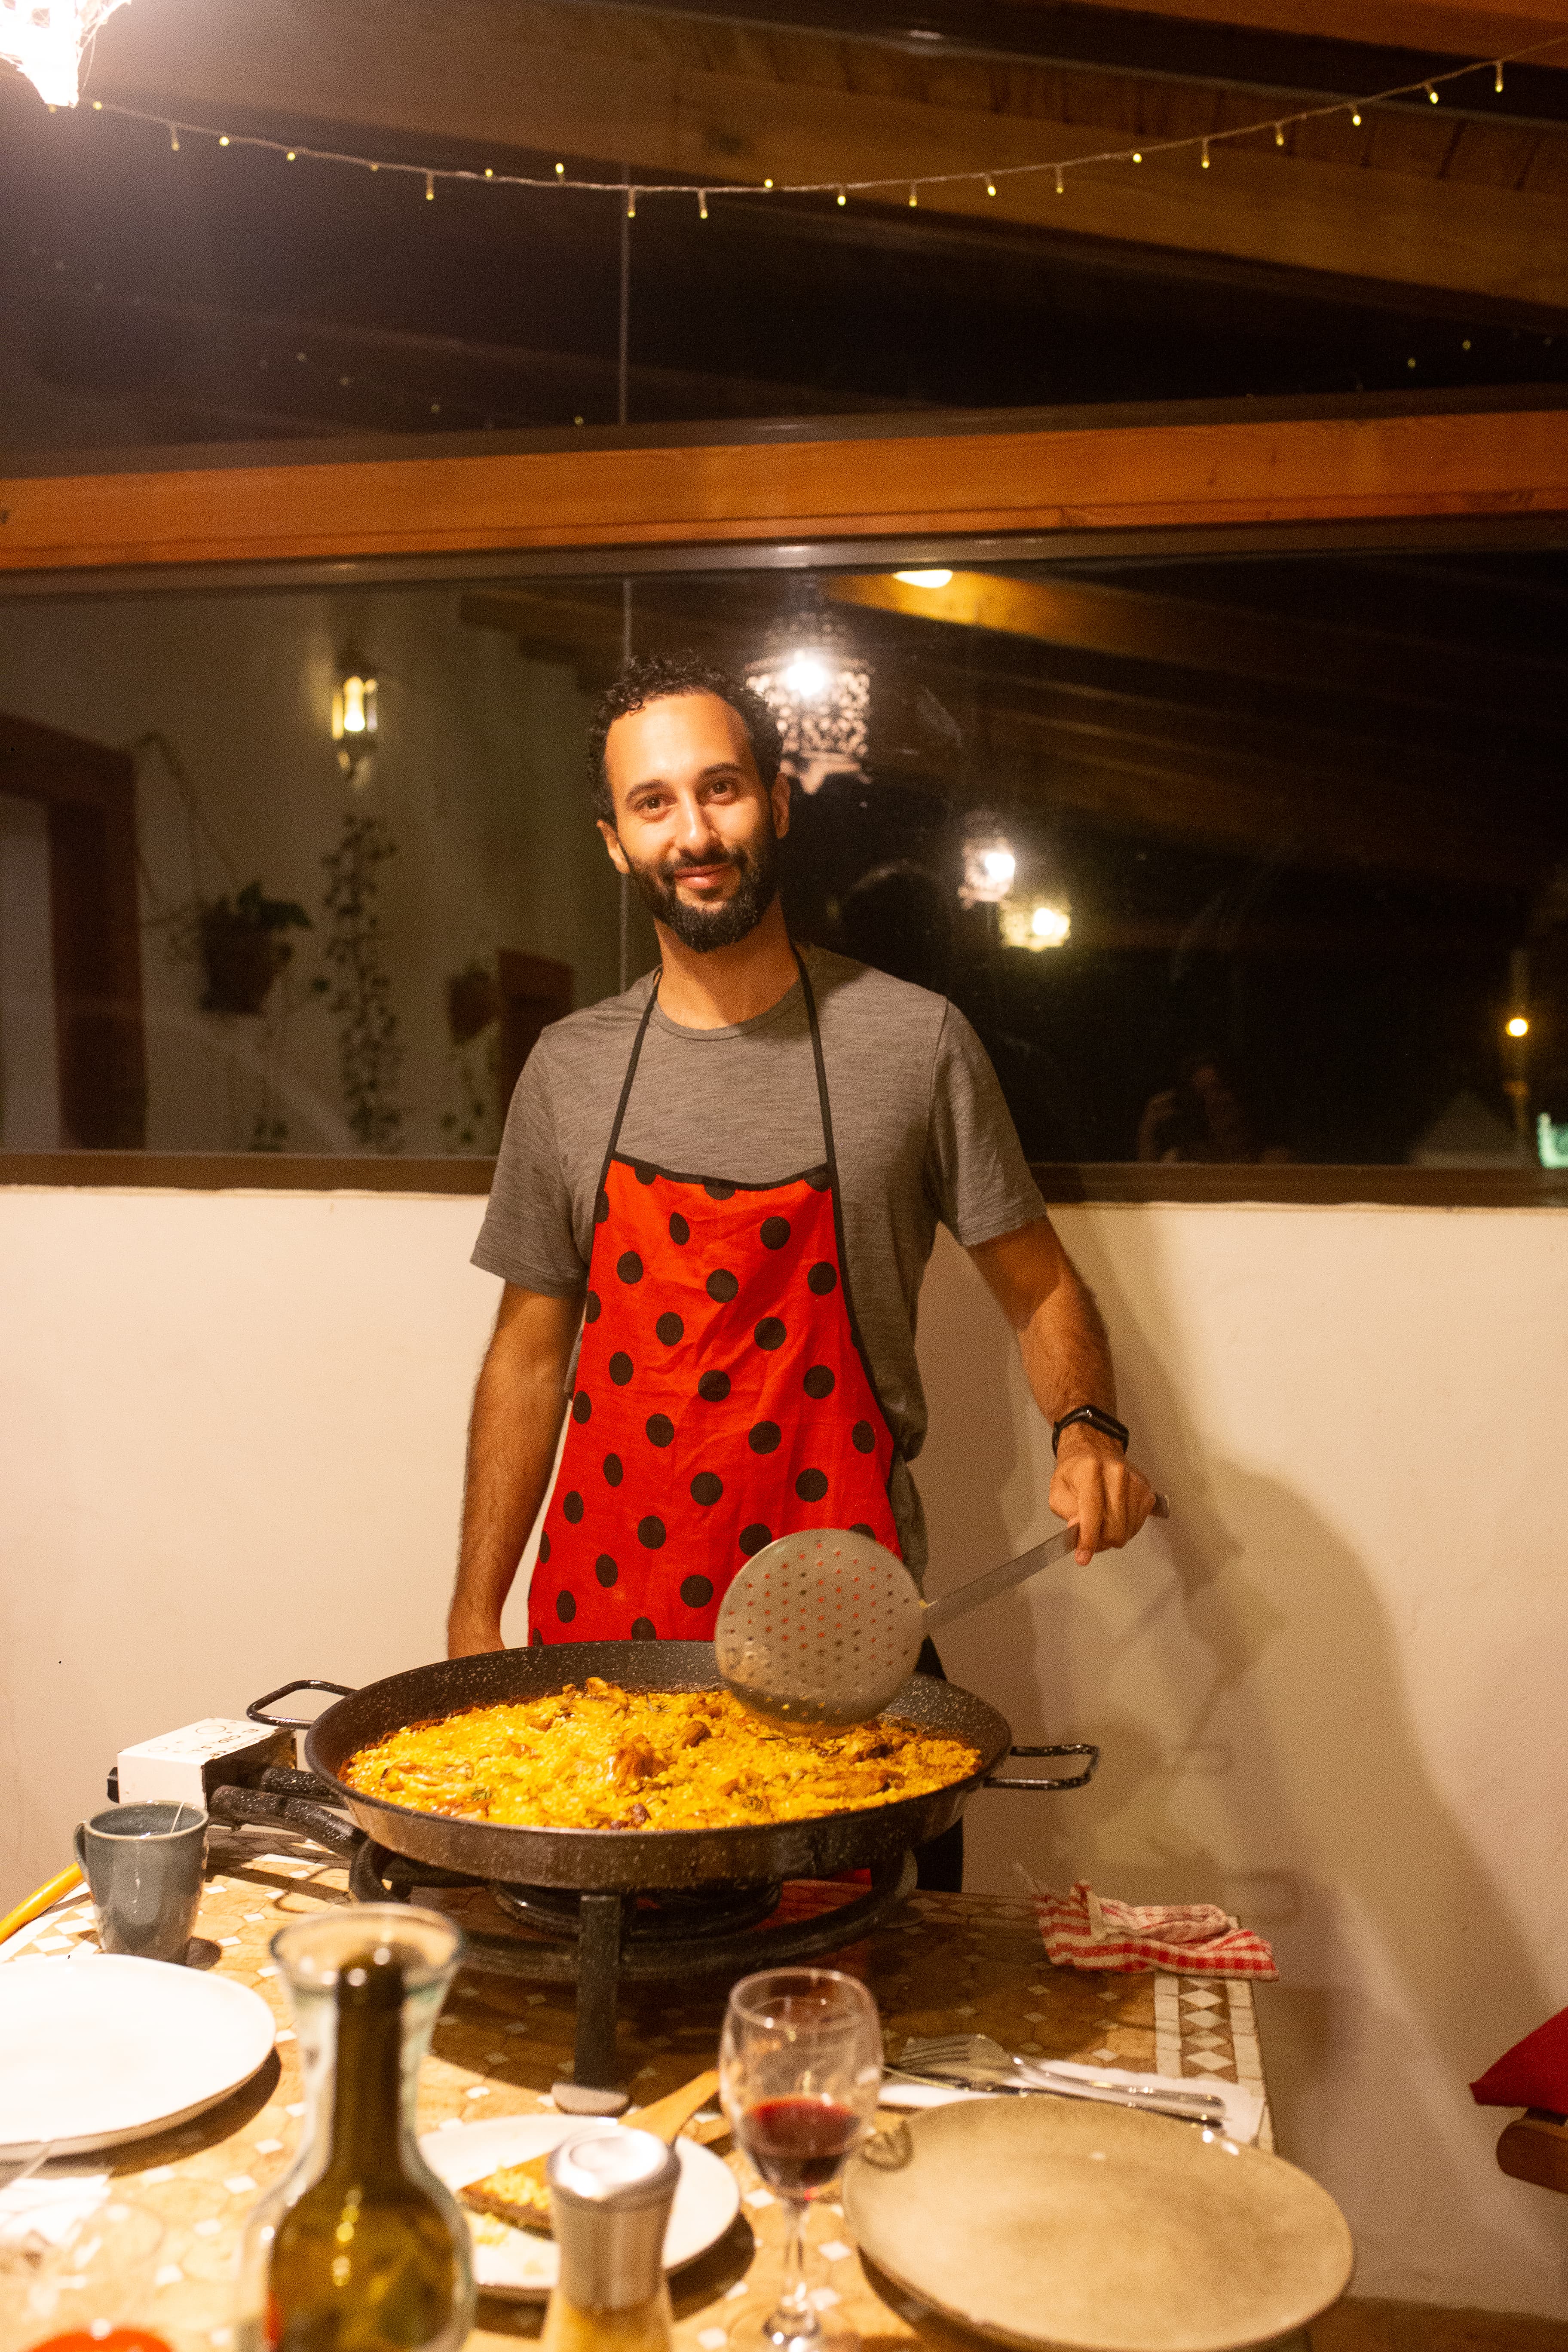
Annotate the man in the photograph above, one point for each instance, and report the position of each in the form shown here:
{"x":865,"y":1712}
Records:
{"x":723,"y":1187}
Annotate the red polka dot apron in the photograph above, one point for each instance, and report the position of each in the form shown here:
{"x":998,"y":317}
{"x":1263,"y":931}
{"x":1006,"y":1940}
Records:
{"x":722,"y":1395}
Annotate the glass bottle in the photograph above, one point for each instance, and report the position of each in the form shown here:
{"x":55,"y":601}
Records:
{"x":610,"y":2194}
{"x":360,"y":2248}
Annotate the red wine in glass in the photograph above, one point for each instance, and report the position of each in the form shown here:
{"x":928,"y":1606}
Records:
{"x":800,"y":2061}
{"x":799,"y":2144}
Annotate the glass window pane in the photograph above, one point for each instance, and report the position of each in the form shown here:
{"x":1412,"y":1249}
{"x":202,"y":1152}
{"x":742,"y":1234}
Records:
{"x":1241,"y":859}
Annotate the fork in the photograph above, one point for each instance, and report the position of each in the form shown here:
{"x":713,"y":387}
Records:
{"x":952,"y":2056}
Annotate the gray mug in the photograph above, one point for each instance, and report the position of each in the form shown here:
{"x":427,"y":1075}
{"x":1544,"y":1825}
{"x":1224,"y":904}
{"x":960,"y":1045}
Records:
{"x":143,"y":1864}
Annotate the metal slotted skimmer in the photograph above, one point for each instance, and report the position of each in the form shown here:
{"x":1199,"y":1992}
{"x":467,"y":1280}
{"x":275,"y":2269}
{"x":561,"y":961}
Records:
{"x":821,"y":1629}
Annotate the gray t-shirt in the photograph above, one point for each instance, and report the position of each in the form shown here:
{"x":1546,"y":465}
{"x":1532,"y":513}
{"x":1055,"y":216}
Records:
{"x":920,"y":1129}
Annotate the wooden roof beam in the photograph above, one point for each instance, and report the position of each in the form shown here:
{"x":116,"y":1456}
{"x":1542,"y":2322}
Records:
{"x":588,"y":83}
{"x":1224,"y":788}
{"x":1256,"y":808}
{"x":1463,"y":27}
{"x":1231,"y":640}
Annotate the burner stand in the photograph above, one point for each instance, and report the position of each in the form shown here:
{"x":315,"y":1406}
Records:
{"x":595,"y":1941}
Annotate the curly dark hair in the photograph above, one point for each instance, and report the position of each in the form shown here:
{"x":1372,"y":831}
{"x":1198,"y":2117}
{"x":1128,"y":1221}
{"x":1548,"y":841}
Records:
{"x":653,"y":678}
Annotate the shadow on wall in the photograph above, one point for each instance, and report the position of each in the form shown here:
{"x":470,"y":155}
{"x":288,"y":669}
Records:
{"x":1240,"y":1671}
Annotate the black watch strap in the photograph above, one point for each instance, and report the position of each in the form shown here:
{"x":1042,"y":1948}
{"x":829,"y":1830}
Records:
{"x":1106,"y":1423}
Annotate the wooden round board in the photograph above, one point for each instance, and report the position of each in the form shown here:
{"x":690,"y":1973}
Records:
{"x":1055,"y":2222}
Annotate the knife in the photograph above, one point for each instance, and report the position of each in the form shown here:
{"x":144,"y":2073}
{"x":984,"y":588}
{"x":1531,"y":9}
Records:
{"x":1194,"y":2107}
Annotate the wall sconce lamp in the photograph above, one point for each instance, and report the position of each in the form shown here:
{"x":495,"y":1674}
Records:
{"x":353,"y":717}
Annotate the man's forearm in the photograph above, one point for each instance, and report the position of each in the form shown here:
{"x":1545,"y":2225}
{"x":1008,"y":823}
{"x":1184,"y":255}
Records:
{"x":1066,"y":1359}
{"x":517,"y":1416}
{"x":1066,"y":1351}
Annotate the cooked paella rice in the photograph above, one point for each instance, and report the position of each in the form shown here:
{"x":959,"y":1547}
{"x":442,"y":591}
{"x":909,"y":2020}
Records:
{"x":601,"y":1758}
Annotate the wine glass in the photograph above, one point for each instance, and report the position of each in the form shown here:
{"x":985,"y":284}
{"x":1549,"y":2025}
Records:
{"x":74,"y":2273}
{"x":800,"y":2065}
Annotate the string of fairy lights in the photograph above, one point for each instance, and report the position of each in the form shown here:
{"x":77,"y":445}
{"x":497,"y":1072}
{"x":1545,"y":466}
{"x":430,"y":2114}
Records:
{"x":884,"y":187}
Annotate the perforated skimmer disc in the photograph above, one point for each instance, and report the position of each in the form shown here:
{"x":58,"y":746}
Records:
{"x":820,"y":1629}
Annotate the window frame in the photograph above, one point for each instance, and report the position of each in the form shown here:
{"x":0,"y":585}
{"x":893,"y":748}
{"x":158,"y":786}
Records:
{"x":1452,"y":470}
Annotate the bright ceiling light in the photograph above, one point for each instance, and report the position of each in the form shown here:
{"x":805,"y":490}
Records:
{"x":807,"y":677}
{"x":1518,"y":1027}
{"x":924,"y":579}
{"x":43,"y":40}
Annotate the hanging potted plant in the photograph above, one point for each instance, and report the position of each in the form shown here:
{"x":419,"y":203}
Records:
{"x":242,"y":947}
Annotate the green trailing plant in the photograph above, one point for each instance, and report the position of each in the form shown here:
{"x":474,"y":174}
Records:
{"x":473,"y":1009}
{"x":358,"y":984}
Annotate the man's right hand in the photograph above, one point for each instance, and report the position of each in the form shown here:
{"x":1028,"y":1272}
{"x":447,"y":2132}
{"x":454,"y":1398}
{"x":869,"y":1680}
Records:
{"x":470,"y":1631}
{"x":520,"y":1404}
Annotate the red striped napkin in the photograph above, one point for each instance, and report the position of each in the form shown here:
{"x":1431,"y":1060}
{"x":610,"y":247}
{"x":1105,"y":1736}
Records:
{"x":1086,"y":1930}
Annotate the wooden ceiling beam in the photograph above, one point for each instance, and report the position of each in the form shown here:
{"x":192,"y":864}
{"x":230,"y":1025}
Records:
{"x":813,"y":109}
{"x":585,"y":628}
{"x":1254,"y":808}
{"x":1210,"y":783}
{"x":1463,"y":27}
{"x":1234,"y":641}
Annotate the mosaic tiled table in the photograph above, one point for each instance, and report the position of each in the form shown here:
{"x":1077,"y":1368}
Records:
{"x":948,"y":1963}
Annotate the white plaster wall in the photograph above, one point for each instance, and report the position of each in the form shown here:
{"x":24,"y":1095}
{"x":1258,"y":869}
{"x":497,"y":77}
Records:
{"x":1329,"y":1692}
{"x":479,"y":780}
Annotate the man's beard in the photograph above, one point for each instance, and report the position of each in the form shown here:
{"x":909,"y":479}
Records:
{"x":724,"y":925}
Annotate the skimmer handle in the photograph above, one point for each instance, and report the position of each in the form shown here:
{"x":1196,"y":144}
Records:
{"x":998,"y":1581}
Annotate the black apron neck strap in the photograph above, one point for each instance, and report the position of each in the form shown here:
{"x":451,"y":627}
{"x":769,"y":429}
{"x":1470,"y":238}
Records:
{"x":808,"y":994}
{"x":631,"y":1073}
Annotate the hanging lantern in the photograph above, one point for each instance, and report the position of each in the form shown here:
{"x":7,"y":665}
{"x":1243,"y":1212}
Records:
{"x":818,"y":687}
{"x":1034,"y":923}
{"x":43,"y":40}
{"x":353,"y":714}
{"x":990,"y":862}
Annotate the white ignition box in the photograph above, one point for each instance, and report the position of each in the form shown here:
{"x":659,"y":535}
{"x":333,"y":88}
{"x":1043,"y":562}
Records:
{"x":219,"y":1751}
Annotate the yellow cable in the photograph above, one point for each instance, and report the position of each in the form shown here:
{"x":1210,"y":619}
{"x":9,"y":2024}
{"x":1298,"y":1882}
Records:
{"x":40,"y":1902}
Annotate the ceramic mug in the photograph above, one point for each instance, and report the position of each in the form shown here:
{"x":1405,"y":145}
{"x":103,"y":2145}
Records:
{"x":144,"y":1865}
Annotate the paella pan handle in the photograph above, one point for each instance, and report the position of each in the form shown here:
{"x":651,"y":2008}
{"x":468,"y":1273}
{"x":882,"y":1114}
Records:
{"x":257,"y":1713}
{"x":1071,"y":1748}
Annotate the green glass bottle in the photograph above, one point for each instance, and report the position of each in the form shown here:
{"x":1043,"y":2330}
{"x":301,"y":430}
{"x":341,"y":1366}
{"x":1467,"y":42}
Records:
{"x":360,"y":2248}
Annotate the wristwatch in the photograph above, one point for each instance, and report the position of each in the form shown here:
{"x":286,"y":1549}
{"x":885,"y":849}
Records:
{"x":1106,"y":1423}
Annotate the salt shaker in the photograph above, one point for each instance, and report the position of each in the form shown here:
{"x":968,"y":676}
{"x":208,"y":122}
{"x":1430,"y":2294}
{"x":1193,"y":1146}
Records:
{"x":610,"y":2195}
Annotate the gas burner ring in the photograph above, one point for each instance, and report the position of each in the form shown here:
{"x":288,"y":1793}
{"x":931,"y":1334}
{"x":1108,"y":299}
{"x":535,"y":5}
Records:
{"x":679,"y":1917}
{"x":590,"y":1941}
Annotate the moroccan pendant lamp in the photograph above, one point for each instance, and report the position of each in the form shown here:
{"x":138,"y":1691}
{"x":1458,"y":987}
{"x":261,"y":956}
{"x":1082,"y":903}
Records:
{"x":817,"y":685}
{"x":45,"y":39}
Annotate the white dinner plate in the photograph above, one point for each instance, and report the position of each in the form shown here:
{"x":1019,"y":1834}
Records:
{"x":96,"y":2051}
{"x":520,"y":2263}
